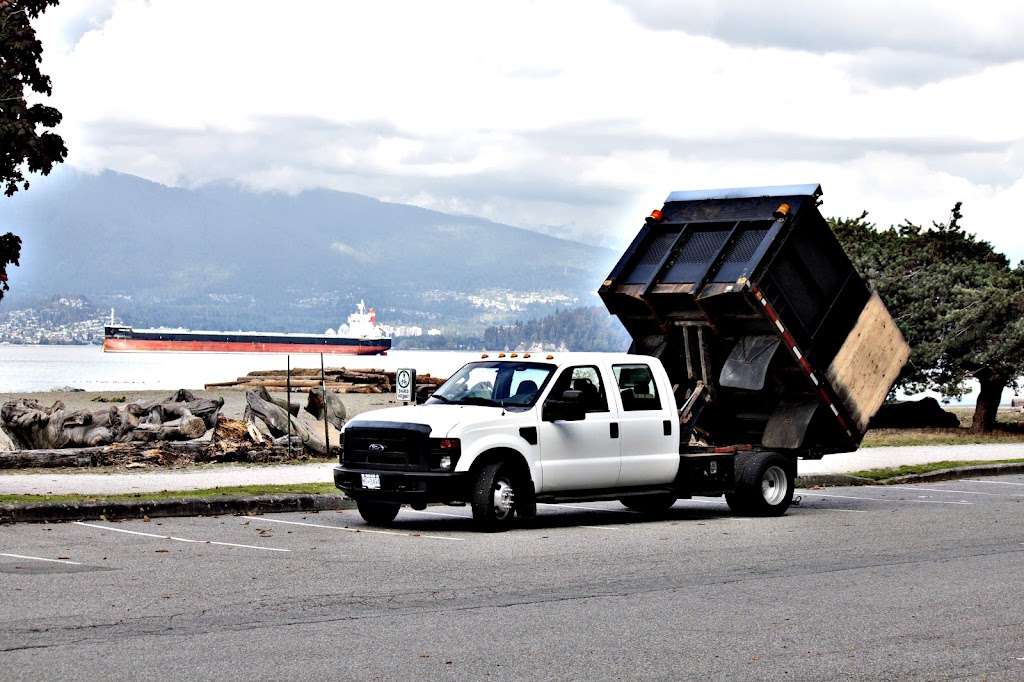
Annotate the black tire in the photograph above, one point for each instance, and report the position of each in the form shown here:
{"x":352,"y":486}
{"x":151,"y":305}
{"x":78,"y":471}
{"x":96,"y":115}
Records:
{"x":764,"y":485}
{"x":655,"y":503}
{"x":494,"y":506}
{"x":377,"y":513}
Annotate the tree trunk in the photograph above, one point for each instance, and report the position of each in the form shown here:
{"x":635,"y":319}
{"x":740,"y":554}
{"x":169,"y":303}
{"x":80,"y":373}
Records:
{"x":988,"y":402}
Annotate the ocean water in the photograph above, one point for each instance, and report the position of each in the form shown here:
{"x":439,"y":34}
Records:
{"x":25,"y":369}
{"x":42,"y":368}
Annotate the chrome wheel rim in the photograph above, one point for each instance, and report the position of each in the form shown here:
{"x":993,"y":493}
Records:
{"x":774,"y":486}
{"x":504,"y":499}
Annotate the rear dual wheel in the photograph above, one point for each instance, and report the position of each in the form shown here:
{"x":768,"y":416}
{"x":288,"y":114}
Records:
{"x":764,"y":485}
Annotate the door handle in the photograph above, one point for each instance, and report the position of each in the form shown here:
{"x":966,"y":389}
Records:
{"x":614,"y":429}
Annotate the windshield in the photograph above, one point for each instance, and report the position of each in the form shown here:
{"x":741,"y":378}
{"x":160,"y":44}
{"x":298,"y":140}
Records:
{"x":501,"y":384}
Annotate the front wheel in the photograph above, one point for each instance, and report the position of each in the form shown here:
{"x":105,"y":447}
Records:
{"x":764,"y":486}
{"x":377,"y":513}
{"x":494,"y":498}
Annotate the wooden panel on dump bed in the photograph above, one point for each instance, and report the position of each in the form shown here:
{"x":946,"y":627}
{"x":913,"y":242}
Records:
{"x":868,"y":362}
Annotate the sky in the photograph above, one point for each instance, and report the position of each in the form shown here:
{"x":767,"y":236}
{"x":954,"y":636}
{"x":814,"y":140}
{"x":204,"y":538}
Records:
{"x":572,"y":117}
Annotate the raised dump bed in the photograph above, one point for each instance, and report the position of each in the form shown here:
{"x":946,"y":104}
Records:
{"x":764,"y":325}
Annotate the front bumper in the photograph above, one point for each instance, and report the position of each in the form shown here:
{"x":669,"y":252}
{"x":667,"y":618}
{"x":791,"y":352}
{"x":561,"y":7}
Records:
{"x":404,"y":487}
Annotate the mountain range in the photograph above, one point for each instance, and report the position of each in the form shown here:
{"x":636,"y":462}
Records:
{"x":226,"y":257}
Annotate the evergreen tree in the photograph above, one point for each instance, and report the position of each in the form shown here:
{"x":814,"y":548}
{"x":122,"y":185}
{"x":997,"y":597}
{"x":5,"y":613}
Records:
{"x":959,"y":303}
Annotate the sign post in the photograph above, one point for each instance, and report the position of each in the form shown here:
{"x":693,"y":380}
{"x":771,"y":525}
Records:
{"x":405,"y":385}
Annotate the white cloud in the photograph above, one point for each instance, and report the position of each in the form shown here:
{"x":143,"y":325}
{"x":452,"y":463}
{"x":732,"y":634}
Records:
{"x":574,"y":116}
{"x":982,"y":32}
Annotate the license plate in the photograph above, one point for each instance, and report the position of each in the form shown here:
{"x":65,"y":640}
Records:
{"x":371,"y":481}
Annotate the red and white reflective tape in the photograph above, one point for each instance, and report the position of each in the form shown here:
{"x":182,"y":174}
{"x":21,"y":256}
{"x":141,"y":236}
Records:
{"x":795,"y":350}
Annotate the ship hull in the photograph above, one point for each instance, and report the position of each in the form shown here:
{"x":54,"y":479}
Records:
{"x":126,"y":340}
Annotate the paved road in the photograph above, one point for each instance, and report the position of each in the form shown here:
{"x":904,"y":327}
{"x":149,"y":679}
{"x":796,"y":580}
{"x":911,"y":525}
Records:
{"x":875,"y":583}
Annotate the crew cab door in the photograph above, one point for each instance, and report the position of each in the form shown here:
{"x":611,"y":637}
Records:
{"x":584,"y":453}
{"x":649,"y":445}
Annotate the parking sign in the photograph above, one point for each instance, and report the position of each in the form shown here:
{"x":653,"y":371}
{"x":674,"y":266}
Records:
{"x":405,"y":382}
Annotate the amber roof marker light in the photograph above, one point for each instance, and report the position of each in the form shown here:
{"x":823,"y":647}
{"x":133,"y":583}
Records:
{"x":781,"y":212}
{"x":655,"y":217}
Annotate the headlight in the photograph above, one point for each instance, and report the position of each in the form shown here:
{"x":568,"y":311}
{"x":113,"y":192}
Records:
{"x":444,"y":453}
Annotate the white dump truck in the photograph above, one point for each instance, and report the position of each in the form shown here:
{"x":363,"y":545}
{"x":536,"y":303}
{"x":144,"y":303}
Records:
{"x":755,"y":343}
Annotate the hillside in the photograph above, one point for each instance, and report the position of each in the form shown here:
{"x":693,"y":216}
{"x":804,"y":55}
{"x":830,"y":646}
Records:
{"x":227,"y":257}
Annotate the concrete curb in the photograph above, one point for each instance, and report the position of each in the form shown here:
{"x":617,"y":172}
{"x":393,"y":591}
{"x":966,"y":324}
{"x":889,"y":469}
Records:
{"x":958,"y":472}
{"x":42,"y":512}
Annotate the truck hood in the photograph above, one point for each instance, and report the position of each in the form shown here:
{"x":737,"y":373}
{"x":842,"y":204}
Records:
{"x":440,"y":418}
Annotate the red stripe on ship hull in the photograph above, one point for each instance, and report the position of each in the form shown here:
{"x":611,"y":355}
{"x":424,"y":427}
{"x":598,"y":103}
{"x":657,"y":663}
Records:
{"x":129,"y":345}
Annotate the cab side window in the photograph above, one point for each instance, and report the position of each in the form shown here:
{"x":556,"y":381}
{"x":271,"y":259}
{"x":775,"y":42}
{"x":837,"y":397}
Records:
{"x":637,"y":387}
{"x":587,"y":380}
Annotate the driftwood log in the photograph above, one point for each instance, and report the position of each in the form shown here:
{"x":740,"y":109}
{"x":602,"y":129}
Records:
{"x":32,"y":426}
{"x":280,"y":422}
{"x":332,"y":408}
{"x":337,"y":380}
{"x":134,"y":455}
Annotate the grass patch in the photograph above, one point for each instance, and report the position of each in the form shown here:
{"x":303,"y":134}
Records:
{"x":907,"y":469}
{"x":1009,"y":428}
{"x":879,"y":438}
{"x":236,"y":491}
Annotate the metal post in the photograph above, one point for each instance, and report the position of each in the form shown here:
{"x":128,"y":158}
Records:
{"x":288,"y":397}
{"x":323,"y":387}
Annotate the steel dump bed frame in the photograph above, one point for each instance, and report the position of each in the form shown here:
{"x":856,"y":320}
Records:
{"x":766,"y":329}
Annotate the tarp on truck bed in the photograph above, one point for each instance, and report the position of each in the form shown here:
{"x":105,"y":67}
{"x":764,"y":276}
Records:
{"x":750,"y":302}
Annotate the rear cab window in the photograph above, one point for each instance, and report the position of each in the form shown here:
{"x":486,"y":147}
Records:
{"x":637,"y":387}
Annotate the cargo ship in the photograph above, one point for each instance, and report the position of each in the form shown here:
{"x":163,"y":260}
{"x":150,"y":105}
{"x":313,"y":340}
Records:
{"x":359,"y":336}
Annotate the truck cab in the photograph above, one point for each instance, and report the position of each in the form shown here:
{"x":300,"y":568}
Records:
{"x":513,"y":428}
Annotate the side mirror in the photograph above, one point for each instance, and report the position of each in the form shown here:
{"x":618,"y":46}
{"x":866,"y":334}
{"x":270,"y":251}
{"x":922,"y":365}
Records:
{"x":424,"y":392}
{"x":569,"y":408}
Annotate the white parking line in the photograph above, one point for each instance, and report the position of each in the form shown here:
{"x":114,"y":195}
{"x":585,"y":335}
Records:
{"x":356,"y":530}
{"x":39,"y":558}
{"x":949,"y":490}
{"x":882,"y":499}
{"x":169,"y":537}
{"x":985,"y":480}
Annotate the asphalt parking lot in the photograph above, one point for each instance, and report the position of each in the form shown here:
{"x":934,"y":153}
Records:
{"x":916,"y":581}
